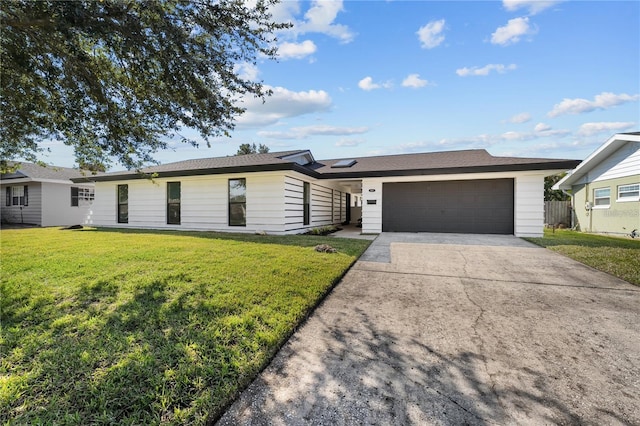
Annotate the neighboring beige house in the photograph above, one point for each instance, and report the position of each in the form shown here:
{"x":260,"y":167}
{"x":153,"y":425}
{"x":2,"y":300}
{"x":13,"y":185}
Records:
{"x":290,"y":192}
{"x":45,"y":196}
{"x":605,"y":187}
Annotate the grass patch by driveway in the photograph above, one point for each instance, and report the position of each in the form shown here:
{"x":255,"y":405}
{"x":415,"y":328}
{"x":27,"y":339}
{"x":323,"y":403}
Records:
{"x":616,"y":256}
{"x":130,"y":327}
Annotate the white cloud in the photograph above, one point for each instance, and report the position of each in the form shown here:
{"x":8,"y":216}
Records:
{"x":520,"y":118}
{"x":277,"y":135}
{"x":528,"y":136}
{"x":534,"y":6}
{"x":541,"y":127}
{"x":282,"y":104}
{"x":296,"y":50}
{"x":589,"y":129}
{"x":479,"y":141}
{"x":368,"y":84}
{"x":414,"y":81}
{"x":306,"y":131}
{"x":320,"y":19}
{"x":430,"y":35}
{"x":604,"y":100}
{"x":284,"y":11}
{"x":246,"y":71}
{"x":350,"y":142}
{"x":511,"y":33}
{"x":499,"y":68}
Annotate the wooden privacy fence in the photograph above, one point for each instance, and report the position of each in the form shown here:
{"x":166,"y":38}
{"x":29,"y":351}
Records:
{"x":557,"y":212}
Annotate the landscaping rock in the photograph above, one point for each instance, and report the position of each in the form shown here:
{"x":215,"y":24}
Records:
{"x":325,"y":248}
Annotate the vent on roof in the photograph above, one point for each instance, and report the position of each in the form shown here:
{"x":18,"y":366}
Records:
{"x":343,"y":164}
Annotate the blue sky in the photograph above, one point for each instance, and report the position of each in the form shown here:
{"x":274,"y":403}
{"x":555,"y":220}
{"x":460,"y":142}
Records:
{"x":549,"y":79}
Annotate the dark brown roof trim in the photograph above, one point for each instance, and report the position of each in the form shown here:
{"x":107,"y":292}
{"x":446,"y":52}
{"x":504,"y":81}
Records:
{"x":564,"y":165}
{"x":200,"y":172}
{"x":567,"y":164}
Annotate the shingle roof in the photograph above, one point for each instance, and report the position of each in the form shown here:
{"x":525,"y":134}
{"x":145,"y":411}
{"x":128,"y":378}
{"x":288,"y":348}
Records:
{"x":438,"y":162}
{"x":200,"y":166}
{"x":476,"y":160}
{"x":37,"y":172}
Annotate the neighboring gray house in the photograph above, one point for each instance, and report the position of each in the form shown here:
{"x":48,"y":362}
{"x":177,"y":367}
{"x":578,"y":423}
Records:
{"x":45,"y":196}
{"x":605,"y":187}
{"x":290,"y":192}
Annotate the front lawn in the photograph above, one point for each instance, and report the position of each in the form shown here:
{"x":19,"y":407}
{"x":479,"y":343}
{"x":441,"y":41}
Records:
{"x":132,"y":327}
{"x":616,"y":256}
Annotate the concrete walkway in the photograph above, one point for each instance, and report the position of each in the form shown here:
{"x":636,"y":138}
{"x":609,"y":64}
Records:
{"x":456,"y":329}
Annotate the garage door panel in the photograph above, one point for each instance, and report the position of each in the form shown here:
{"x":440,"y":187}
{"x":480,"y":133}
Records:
{"x":481,"y":206}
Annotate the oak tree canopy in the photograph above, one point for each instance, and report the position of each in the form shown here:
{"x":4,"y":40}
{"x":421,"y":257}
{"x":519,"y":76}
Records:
{"x":119,"y":79}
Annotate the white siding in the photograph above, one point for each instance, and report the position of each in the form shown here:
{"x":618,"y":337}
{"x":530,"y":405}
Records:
{"x":293,"y":203}
{"x":321,"y":205}
{"x":265,"y":202}
{"x":103,"y":211}
{"x":56,"y":206}
{"x":622,"y":163}
{"x":337,"y":206}
{"x":31,"y":213}
{"x":529,"y":206}
{"x":204,"y":203}
{"x":371,"y":213}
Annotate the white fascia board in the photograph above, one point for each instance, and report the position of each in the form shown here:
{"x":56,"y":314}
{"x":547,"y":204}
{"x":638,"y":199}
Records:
{"x":16,"y":181}
{"x":610,"y":146}
{"x":58,"y":181}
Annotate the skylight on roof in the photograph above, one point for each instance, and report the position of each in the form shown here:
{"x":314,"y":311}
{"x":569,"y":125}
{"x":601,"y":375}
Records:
{"x":343,"y":164}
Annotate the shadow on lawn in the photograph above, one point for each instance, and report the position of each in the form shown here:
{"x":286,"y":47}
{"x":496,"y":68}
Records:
{"x":366,"y":376}
{"x":158,"y":357}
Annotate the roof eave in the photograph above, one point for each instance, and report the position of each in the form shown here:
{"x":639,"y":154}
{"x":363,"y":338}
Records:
{"x":560,"y":165}
{"x":199,"y":172}
{"x":612,"y":144}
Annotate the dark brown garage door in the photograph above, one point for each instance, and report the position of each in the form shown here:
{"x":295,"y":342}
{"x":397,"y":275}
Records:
{"x":464,"y":206}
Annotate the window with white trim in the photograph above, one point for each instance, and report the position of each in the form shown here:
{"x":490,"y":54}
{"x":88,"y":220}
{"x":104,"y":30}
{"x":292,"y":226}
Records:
{"x":602,"y":197}
{"x":629,"y":192}
{"x":81,"y":196}
{"x":17,"y":195}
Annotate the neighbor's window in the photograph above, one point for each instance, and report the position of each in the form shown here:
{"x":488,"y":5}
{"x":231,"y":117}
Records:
{"x":81,"y":196}
{"x":237,"y":202}
{"x":629,"y":192}
{"x":602,"y":197}
{"x":17,"y":195}
{"x":306,"y":195}
{"x":123,"y":203}
{"x":173,"y":203}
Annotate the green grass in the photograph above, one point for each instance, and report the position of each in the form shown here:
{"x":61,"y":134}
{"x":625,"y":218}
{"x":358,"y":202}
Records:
{"x":131,"y":327}
{"x":617,"y":256}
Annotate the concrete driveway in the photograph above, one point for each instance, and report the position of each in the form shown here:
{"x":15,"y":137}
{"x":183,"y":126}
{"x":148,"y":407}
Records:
{"x":457,"y":329}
